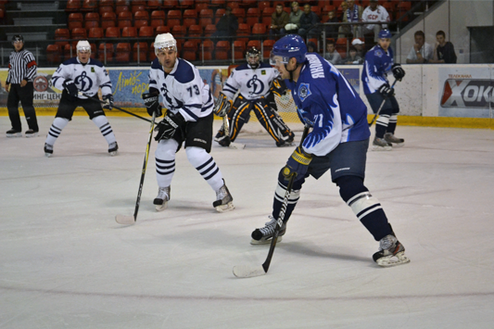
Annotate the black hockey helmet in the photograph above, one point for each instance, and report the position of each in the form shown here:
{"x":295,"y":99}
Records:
{"x":17,"y":38}
{"x":253,"y":57}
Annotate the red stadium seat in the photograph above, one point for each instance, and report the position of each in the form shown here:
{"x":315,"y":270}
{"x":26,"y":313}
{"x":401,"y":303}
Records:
{"x":239,"y":49}
{"x":96,"y":33}
{"x":240,"y":14}
{"x":129,"y":32}
{"x":53,"y":54}
{"x":122,"y":52}
{"x":189,"y":17}
{"x":252,"y":16}
{"x":209,"y":30}
{"x":206,"y":17}
{"x":267,"y":46}
{"x":78,"y":33}
{"x":170,"y":4}
{"x":112,"y":32}
{"x":146,"y":31}
{"x":140,"y":51}
{"x":73,"y":6}
{"x":174,"y":17}
{"x":189,"y":50}
{"x":243,"y":32}
{"x":222,"y":50}
{"x":89,"y":5}
{"x":108,"y":19}
{"x":206,"y":50}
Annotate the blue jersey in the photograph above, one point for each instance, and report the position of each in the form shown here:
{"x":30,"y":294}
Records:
{"x":376,"y":67}
{"x":329,"y":103}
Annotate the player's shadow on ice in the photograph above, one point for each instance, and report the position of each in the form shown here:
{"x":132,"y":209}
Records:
{"x":306,"y":250}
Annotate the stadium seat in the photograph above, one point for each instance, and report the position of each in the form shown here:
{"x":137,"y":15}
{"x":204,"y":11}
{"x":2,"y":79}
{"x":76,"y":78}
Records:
{"x":78,"y":33}
{"x":209,"y":30}
{"x":222,"y":50}
{"x":206,"y":50}
{"x":239,"y":49}
{"x":267,"y":45}
{"x":119,"y":9}
{"x":135,"y":8}
{"x":53,"y":54}
{"x":69,"y":51}
{"x":252,"y":16}
{"x":195,"y":31}
{"x":200,"y":6}
{"x":189,"y":50}
{"x":108,"y":19}
{"x":161,"y":29}
{"x":217,"y":15}
{"x":258,"y":29}
{"x":122,"y":52}
{"x":206,"y":17}
{"x":90,"y":24}
{"x":129,"y":32}
{"x":254,"y":43}
{"x":89,"y":5}
{"x":341,"y":45}
{"x":189,"y":17}
{"x":186,"y":4}
{"x":109,"y":3}
{"x":174,"y":17}
{"x":248,"y":3}
{"x":62,"y":34}
{"x":104,"y":9}
{"x":217,"y":4}
{"x":154,"y":4}
{"x":152,"y":55}
{"x":96,"y":33}
{"x":263,"y":5}
{"x":140,"y":51}
{"x":112,"y":32}
{"x":243,"y":32}
{"x":75,"y":20}
{"x":73,"y":6}
{"x":170,"y":4}
{"x":146,"y":31}
{"x":124,"y":19}
{"x":141,"y":18}
{"x":240,"y":14}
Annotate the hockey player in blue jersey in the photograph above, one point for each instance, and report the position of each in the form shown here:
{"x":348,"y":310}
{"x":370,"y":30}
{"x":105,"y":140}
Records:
{"x":337,"y":142}
{"x":378,"y":63}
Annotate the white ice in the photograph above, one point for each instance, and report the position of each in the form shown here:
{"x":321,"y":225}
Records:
{"x":66,"y":263}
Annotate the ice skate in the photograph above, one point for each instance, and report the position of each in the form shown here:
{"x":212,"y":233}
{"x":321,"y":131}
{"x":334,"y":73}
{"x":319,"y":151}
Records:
{"x":31,"y":133}
{"x":391,"y":252}
{"x":264,"y":234}
{"x":48,"y":150}
{"x":13,"y":133}
{"x":379,"y":144}
{"x":222,"y":139}
{"x":161,"y":201}
{"x":223,"y":200}
{"x":395,"y":141}
{"x":113,"y":148}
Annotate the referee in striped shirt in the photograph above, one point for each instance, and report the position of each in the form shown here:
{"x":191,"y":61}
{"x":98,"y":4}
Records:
{"x":19,"y":84}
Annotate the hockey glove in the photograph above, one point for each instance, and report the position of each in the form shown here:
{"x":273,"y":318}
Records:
{"x":151,"y":100}
{"x":108,"y":101}
{"x":386,"y":90}
{"x":398,"y":71}
{"x":169,"y":125}
{"x":297,"y":164}
{"x":222,"y":105}
{"x":71,"y":88}
{"x":278,"y":87}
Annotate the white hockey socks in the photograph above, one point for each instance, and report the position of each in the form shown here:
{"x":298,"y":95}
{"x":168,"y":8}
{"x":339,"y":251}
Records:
{"x":104,"y":126}
{"x":55,"y":130}
{"x":165,"y":161}
{"x":206,"y":166}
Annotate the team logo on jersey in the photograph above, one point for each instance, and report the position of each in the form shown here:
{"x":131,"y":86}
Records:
{"x":92,"y":69}
{"x":255,"y":85}
{"x":84,"y":82}
{"x":467,"y":93}
{"x":304,"y":91}
{"x":263,"y":72}
{"x":378,"y":53}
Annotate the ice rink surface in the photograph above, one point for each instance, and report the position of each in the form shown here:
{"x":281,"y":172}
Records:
{"x":66,"y":263}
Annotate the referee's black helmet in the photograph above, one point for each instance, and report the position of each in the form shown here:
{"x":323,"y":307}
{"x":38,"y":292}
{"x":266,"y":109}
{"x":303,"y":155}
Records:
{"x":17,"y":38}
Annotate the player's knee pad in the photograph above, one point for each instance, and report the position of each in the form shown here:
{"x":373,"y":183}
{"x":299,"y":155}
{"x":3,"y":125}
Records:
{"x":60,"y":123}
{"x":196,"y":155}
{"x":166,"y":149}
{"x":357,"y":196}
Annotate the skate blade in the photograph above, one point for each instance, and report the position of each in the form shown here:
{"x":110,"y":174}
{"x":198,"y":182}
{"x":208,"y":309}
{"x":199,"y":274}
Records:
{"x":398,"y":144}
{"x":388,"y":261}
{"x":262,"y":242}
{"x":14,"y":135}
{"x":125,"y":220}
{"x":31,"y":135}
{"x":161,"y":207}
{"x":381,"y":148}
{"x":113,"y":153}
{"x":236,"y":146}
{"x":225,"y":207}
{"x":48,"y":155}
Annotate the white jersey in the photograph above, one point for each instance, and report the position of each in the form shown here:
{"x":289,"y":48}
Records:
{"x":88,"y":78}
{"x":252,"y":84}
{"x":378,"y":15}
{"x":182,"y":90}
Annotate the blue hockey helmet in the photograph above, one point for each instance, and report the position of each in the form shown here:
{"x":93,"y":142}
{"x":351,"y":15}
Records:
{"x":289,"y":46}
{"x":384,"y":34}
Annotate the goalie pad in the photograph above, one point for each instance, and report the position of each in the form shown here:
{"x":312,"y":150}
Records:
{"x":222,"y":105}
{"x":278,"y":87}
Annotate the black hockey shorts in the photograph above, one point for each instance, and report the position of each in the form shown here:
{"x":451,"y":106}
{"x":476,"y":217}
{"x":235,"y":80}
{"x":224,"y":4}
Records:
{"x":199,"y":133}
{"x":390,"y":106}
{"x":68,"y":104}
{"x":347,"y":159}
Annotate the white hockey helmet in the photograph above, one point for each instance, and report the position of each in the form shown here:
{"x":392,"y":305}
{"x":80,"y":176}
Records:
{"x":83,"y":45}
{"x":164,"y":41}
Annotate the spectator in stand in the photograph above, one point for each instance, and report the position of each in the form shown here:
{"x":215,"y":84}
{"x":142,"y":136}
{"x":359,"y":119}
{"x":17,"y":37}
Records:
{"x":307,"y":21}
{"x":421,"y":51}
{"x":352,"y":14}
{"x":279,"y":20}
{"x":360,"y":46}
{"x":332,"y":30}
{"x":227,"y":26}
{"x":311,"y":47}
{"x":444,"y":51}
{"x":294,"y":19}
{"x":374,"y":13}
{"x":342,"y":10}
{"x":332,"y":55}
{"x":353,"y":57}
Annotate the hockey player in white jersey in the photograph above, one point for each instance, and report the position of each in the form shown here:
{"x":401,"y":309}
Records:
{"x":254,"y":82}
{"x":338,"y":142}
{"x":378,"y":63}
{"x":78,"y":77}
{"x":188,"y":118}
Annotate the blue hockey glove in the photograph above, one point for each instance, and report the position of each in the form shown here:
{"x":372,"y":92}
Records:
{"x":386,"y":90}
{"x":71,"y":88}
{"x":297,"y":164}
{"x":169,"y":125}
{"x":398,"y":71}
{"x":109,"y":101}
{"x":152,"y":103}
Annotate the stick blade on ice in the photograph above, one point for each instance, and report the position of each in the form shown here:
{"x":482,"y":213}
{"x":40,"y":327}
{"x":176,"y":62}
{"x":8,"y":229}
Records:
{"x":125,"y":220}
{"x":247,"y":271}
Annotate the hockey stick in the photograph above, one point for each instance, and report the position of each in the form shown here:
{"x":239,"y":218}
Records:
{"x":247,"y":271}
{"x":116,"y":107}
{"x":380,"y":107}
{"x":226,"y":129}
{"x":128,"y":220}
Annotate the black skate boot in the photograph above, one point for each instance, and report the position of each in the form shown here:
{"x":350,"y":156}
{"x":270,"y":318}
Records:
{"x":31,"y":133}
{"x":390,"y":138}
{"x":264,"y":234}
{"x":48,"y":150}
{"x":391,"y":252}
{"x":161,"y":201}
{"x":13,"y":133}
{"x":113,"y":148}
{"x":223,"y":199}
{"x":380,"y":144}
